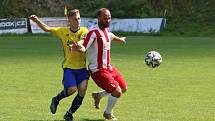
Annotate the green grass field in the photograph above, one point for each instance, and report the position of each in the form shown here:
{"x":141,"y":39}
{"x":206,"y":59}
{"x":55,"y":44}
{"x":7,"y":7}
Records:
{"x":181,"y":89}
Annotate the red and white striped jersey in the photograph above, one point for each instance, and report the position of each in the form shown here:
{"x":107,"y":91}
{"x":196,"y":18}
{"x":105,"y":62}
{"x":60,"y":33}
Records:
{"x":97,"y":44}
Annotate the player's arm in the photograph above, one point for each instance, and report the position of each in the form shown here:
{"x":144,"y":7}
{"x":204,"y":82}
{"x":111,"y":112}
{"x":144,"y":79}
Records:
{"x":77,"y":46}
{"x":90,"y":38}
{"x":119,"y":39}
{"x":81,"y":42}
{"x":116,"y":38}
{"x":42,"y":25}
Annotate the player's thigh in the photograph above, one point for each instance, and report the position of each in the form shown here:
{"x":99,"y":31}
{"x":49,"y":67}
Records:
{"x":71,"y":90}
{"x":118,"y":77}
{"x":69,"y":79}
{"x":104,"y":79}
{"x":82,"y":77}
{"x":82,"y":88}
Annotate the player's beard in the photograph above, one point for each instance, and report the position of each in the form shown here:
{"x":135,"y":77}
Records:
{"x":105,"y":24}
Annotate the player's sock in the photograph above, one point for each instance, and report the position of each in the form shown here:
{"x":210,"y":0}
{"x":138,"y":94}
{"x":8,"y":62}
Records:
{"x":56,"y":100}
{"x":110,"y":104}
{"x":103,"y":93}
{"x":61,"y":95}
{"x":76,"y":103}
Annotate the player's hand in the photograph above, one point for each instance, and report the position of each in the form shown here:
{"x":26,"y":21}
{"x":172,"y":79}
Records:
{"x":33,"y":18}
{"x":123,"y":39}
{"x":74,"y":46}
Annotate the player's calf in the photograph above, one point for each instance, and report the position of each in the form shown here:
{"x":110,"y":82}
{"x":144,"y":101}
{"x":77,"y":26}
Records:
{"x":54,"y":104}
{"x":97,"y":99}
{"x":68,"y":116}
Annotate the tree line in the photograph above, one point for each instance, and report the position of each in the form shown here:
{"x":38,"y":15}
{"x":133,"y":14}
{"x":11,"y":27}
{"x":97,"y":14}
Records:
{"x":180,"y":13}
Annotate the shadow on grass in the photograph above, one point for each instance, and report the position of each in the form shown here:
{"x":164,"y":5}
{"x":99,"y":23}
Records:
{"x":45,"y":120}
{"x":91,"y":120}
{"x":75,"y":120}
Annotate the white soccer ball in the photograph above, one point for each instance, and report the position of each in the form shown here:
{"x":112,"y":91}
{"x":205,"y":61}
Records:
{"x":153,"y":59}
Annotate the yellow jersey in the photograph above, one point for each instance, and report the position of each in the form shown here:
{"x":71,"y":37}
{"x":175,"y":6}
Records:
{"x":75,"y":59}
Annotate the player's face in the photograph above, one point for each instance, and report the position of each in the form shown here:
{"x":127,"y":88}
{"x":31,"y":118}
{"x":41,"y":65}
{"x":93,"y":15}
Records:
{"x":75,"y":21}
{"x":104,"y":19}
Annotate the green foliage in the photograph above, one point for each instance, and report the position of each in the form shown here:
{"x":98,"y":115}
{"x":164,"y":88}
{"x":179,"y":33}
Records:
{"x":184,"y":17}
{"x":25,"y":8}
{"x":6,"y":8}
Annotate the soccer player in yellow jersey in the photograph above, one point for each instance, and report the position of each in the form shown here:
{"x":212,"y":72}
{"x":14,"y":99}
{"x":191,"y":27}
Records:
{"x":75,"y":76}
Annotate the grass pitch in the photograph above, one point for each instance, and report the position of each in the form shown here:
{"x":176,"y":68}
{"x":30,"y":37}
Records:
{"x":181,"y":89}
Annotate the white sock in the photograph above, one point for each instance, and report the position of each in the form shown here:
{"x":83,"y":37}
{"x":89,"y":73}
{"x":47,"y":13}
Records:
{"x":110,"y":104}
{"x":103,"y":93}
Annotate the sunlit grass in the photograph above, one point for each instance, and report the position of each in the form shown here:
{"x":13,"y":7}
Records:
{"x":181,"y":89}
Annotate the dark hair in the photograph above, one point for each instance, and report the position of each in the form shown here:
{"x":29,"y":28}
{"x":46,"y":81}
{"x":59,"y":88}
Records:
{"x":72,"y":12}
{"x":101,"y":10}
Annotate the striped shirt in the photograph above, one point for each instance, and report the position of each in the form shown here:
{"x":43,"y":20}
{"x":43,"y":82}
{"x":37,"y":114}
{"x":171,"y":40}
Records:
{"x":97,"y":44}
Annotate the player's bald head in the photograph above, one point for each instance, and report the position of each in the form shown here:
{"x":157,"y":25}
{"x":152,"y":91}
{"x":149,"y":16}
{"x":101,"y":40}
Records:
{"x":102,"y":11}
{"x":104,"y":18}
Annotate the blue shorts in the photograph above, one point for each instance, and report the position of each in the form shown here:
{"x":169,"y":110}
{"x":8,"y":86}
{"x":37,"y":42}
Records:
{"x":73,"y":77}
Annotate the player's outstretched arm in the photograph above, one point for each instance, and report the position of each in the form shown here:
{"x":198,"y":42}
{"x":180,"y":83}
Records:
{"x":119,"y":39}
{"x":42,"y":25}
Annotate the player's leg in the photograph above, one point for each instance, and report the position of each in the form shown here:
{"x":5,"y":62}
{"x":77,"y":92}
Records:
{"x":82,"y":77}
{"x":77,"y":101}
{"x":69,"y":89}
{"x":112,"y":100}
{"x":113,"y":97}
{"x":65,"y":93}
{"x":105,"y":80}
{"x":100,"y":94}
{"x":121,"y":81}
{"x":97,"y":97}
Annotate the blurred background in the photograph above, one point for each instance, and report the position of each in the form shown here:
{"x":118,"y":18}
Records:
{"x":184,"y":17}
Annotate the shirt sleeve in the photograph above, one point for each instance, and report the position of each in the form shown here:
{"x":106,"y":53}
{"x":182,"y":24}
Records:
{"x":89,"y":39}
{"x":55,"y":31}
{"x":84,"y":34}
{"x":111,"y":35}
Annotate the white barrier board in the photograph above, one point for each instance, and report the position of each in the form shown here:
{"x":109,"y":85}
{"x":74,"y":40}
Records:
{"x":123,"y":25}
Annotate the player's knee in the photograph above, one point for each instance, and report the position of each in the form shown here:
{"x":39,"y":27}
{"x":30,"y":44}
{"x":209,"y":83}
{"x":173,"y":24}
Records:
{"x":71,"y":90}
{"x":117,"y":93}
{"x":82,"y":91}
{"x":124,"y":90}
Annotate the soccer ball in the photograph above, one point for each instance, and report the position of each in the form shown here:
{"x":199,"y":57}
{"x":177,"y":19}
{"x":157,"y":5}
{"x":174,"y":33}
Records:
{"x":153,"y":59}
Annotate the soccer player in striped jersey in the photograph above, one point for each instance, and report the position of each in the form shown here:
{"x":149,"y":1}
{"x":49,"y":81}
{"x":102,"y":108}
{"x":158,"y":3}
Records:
{"x":97,"y":45}
{"x":75,"y":74}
